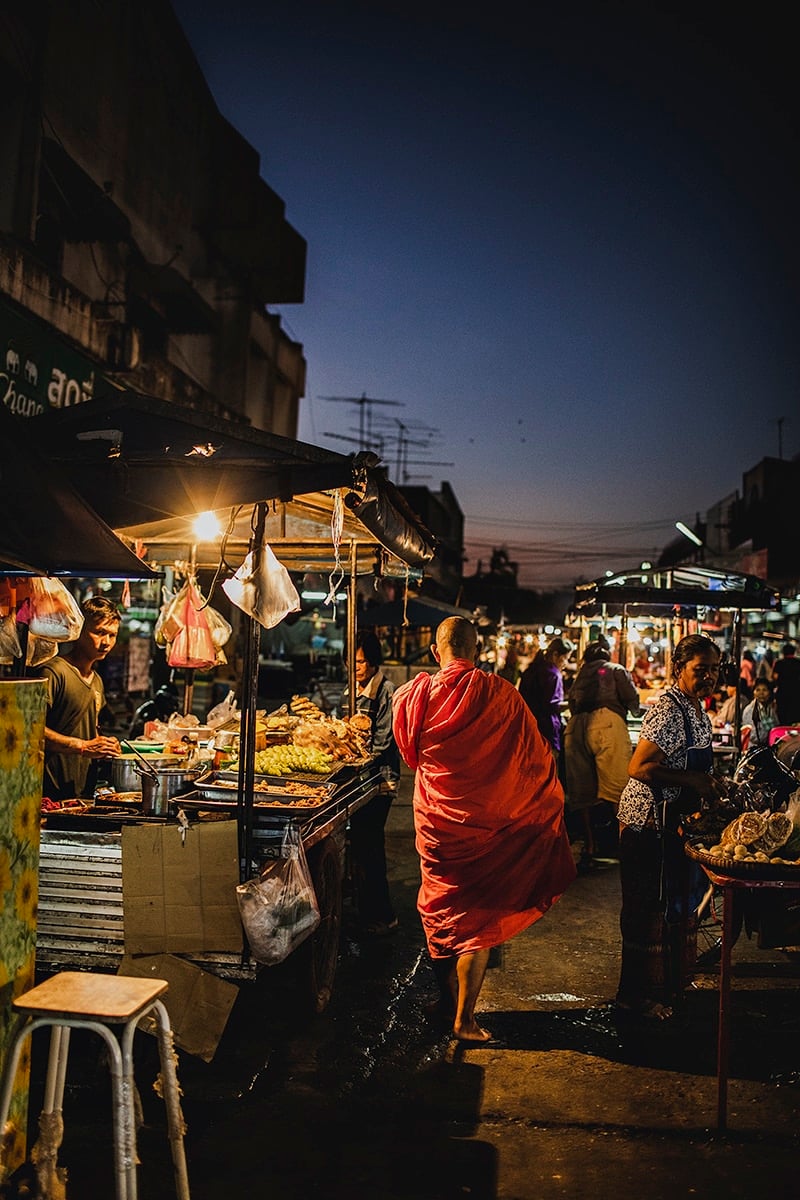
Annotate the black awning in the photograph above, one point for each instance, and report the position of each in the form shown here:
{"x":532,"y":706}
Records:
{"x":684,"y":588}
{"x":137,"y":459}
{"x":46,"y":527}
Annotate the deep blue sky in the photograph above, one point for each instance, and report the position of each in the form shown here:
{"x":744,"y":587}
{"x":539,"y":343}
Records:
{"x":563,"y":240}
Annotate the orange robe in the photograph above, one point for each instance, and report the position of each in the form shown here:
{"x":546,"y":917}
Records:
{"x":488,"y":808}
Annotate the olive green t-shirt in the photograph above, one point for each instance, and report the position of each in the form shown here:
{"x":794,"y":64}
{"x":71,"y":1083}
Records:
{"x":73,"y":708}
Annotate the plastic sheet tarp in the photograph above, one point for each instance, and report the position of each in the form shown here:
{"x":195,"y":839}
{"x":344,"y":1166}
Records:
{"x":383,"y":512}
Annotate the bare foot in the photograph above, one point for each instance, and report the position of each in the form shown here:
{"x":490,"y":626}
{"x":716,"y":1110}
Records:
{"x":657,"y":1012}
{"x":471,"y":1033}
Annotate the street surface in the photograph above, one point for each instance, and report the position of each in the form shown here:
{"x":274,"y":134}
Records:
{"x":371,"y":1101}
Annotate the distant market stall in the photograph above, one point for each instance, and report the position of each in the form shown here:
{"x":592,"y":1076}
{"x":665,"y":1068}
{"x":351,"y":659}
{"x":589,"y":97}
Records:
{"x":672,"y":602}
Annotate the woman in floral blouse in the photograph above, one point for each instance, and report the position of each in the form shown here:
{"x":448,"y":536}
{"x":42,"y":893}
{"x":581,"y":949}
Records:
{"x":670,"y":773}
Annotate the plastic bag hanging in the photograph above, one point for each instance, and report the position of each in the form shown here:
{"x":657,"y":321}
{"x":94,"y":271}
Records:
{"x":192,"y":646}
{"x":53,"y":611}
{"x":265,"y":593}
{"x":10,"y":647}
{"x":279,"y":909}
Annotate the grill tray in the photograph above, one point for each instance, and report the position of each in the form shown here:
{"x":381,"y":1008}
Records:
{"x":222,"y":792}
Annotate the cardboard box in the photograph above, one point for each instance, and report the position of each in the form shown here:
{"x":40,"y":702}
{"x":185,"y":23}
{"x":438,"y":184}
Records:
{"x":179,"y":888}
{"x":198,"y":1003}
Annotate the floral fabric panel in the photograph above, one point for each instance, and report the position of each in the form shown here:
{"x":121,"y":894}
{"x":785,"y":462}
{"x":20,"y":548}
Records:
{"x":22,"y":709}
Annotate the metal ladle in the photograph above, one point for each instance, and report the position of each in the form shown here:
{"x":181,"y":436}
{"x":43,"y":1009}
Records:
{"x":149,"y":768}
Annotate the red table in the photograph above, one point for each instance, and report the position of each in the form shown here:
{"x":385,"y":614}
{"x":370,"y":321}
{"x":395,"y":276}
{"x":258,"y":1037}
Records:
{"x":729,"y":884}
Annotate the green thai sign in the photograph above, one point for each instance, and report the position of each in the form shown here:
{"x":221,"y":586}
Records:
{"x":38,"y":369}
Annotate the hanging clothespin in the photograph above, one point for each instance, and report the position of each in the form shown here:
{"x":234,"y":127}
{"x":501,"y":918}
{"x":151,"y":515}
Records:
{"x":183,"y":824}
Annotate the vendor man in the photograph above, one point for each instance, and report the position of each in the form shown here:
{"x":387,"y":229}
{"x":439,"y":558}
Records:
{"x":72,"y":744}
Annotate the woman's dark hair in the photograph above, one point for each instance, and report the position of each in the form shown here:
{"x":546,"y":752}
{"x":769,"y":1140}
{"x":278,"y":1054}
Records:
{"x":596,"y":652}
{"x":560,"y":646}
{"x":688,"y":648}
{"x":368,"y":643}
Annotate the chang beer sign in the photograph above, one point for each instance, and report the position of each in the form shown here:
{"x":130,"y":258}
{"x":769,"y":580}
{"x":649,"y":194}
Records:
{"x":38,"y":370}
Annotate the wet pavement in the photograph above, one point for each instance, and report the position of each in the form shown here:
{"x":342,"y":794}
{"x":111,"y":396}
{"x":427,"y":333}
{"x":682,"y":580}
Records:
{"x":372,"y":1100}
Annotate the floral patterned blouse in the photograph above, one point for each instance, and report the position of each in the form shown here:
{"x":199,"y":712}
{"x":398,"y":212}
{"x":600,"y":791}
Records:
{"x":664,"y":725}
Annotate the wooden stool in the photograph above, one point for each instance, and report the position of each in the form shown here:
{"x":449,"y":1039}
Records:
{"x":86,"y":1000}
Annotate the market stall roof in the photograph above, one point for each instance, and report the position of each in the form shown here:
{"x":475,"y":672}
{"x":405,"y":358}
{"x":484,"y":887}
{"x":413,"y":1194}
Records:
{"x":47,"y":527}
{"x":414,"y":610}
{"x":148,"y":465}
{"x":681,"y":588}
{"x":301,"y":532}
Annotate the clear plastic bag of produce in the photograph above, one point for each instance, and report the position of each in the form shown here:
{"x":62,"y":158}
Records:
{"x":279,"y":909}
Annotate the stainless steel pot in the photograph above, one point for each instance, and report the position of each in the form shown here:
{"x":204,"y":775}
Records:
{"x":123,"y":772}
{"x":161,"y":784}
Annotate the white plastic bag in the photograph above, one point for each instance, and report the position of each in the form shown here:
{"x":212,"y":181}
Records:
{"x":54,"y":611}
{"x":223,"y":712}
{"x":279,"y":910}
{"x":269,"y":595}
{"x":40,"y":650}
{"x":10,"y":647}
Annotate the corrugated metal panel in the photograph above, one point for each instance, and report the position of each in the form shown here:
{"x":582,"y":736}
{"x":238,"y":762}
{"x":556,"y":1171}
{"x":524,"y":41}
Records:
{"x":81,"y":921}
{"x":80,"y":898}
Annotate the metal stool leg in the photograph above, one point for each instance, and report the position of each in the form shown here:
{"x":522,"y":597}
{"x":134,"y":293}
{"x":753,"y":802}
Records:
{"x":175,"y":1123}
{"x":44,"y":1152}
{"x":122,"y":1124}
{"x":56,"y":1069}
{"x":172,"y":1100}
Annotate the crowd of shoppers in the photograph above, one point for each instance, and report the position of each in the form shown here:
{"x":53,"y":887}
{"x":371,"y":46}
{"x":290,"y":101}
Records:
{"x":491,"y":814}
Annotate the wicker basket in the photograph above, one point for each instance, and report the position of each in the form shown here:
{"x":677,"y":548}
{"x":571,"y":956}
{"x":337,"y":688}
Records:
{"x":743,"y":870}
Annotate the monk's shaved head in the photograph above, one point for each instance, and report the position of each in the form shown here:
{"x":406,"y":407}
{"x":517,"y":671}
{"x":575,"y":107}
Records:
{"x":456,"y":637}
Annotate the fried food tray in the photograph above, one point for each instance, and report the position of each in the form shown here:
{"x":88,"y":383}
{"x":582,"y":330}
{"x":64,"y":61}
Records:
{"x":312,"y":794}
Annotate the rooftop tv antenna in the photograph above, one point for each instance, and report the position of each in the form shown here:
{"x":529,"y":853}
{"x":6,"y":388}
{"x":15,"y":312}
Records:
{"x":365,"y":405}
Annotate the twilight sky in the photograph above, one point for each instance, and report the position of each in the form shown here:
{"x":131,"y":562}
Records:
{"x":560,"y":237}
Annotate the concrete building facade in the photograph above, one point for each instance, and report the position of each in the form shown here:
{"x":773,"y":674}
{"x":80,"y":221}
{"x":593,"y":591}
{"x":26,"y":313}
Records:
{"x":139,"y":244}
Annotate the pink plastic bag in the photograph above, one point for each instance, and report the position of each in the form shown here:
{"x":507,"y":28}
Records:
{"x":193,"y":645}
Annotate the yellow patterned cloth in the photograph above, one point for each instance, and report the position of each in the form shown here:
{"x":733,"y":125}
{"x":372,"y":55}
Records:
{"x":22,"y":709}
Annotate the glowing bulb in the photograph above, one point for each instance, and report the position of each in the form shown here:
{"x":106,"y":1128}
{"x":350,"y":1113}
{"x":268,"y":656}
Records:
{"x":206,"y":527}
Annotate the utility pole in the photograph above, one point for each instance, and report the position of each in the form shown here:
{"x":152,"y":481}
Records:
{"x":779,"y":423}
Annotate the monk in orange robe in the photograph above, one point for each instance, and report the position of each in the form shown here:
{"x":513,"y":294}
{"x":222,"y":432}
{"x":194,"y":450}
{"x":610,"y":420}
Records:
{"x":488,"y":815}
